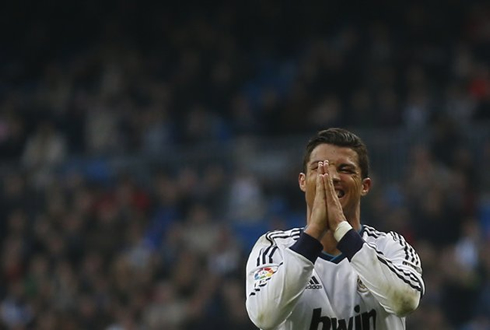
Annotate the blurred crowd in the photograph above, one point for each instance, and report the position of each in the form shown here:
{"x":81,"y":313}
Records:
{"x":85,"y":246}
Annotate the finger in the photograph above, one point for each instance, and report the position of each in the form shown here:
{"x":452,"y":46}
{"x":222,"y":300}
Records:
{"x":328,"y":179}
{"x":320,"y":185}
{"x":321,"y":167}
{"x":335,"y":213}
{"x":329,"y":186}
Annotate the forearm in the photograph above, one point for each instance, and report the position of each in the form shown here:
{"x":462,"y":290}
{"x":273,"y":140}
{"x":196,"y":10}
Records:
{"x":397,"y":288}
{"x":270,"y":303}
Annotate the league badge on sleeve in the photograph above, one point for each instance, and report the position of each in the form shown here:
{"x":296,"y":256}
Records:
{"x":263,"y":275}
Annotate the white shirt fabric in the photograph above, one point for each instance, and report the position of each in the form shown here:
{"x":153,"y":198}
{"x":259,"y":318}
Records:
{"x":292,"y":285}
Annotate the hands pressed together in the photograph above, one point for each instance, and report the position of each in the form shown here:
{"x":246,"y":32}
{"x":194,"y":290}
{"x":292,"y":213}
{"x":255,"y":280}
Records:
{"x":326,"y":213}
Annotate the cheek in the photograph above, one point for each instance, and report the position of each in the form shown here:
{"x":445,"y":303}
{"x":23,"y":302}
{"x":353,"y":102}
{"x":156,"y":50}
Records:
{"x":358,"y":185}
{"x":310,"y":189}
{"x":357,"y":182}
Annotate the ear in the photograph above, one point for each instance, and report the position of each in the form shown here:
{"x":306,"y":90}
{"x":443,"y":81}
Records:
{"x":366,"y":186}
{"x":302,"y":181}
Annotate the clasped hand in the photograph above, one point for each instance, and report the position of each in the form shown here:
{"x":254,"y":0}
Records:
{"x":326,"y":211}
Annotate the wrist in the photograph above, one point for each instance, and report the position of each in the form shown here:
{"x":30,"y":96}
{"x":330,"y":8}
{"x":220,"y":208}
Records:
{"x":342,"y":229}
{"x":315,"y":232}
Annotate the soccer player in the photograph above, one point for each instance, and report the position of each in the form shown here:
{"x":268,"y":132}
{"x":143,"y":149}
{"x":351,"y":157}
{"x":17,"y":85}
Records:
{"x":335,"y":273}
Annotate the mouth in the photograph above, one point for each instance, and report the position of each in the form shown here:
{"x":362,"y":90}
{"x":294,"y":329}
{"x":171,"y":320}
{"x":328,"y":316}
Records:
{"x":340,"y":193}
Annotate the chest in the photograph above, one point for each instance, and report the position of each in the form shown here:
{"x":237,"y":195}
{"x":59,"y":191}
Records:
{"x":335,"y":292}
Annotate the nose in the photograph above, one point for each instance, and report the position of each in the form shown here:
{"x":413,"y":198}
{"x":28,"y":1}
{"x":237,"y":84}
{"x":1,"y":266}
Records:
{"x":334,"y":173}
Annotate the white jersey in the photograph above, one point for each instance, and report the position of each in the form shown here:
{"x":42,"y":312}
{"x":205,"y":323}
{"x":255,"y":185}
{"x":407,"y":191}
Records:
{"x":292,"y":285}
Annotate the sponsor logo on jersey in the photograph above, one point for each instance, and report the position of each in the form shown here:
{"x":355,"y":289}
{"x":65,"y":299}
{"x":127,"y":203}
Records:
{"x":314,"y":284}
{"x":359,"y":321}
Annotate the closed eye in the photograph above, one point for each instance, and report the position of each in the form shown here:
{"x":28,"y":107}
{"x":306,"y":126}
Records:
{"x":314,"y":168}
{"x":347,"y":169}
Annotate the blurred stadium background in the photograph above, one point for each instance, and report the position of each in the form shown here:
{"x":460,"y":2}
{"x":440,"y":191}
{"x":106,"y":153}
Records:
{"x":146,"y":145}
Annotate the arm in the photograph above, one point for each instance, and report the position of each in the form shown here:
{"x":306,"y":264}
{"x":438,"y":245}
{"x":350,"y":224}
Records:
{"x":276,"y":279}
{"x":390,"y":270}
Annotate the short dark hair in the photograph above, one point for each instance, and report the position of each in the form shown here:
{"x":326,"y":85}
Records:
{"x":342,"y":138}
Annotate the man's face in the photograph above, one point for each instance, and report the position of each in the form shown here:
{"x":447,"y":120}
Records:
{"x":346,"y":175}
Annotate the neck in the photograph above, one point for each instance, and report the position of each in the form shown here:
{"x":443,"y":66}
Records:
{"x":330,"y":244}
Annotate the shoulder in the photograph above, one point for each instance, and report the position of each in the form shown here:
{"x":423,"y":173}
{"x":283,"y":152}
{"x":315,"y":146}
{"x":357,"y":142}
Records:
{"x":372,"y":234}
{"x":269,"y":247}
{"x":281,"y":238}
{"x":390,"y":243}
{"x":384,"y":239}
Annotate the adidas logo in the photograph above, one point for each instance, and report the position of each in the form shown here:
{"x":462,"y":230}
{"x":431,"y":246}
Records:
{"x":314,"y":284}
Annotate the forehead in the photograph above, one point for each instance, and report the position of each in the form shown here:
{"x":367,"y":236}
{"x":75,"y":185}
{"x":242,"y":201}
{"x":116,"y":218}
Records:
{"x":333,"y":153}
